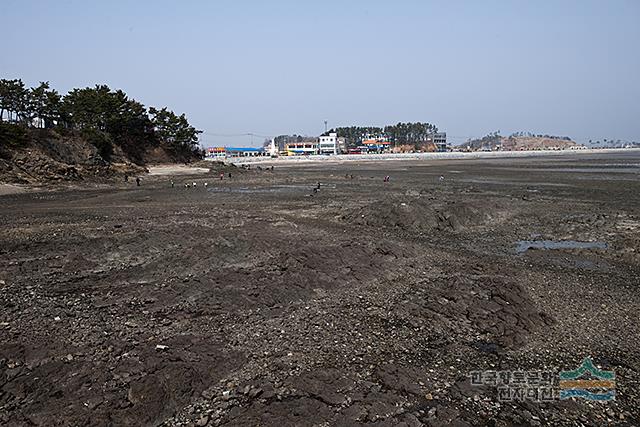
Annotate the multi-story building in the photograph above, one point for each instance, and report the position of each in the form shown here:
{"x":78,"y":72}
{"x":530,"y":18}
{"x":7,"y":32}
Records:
{"x":328,"y":144}
{"x":304,"y":148}
{"x":440,"y":140}
{"x":342,"y":145}
{"x":377,"y":145}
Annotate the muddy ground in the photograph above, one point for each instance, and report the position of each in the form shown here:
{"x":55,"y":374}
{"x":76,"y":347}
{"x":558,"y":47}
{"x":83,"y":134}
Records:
{"x":256,"y":301}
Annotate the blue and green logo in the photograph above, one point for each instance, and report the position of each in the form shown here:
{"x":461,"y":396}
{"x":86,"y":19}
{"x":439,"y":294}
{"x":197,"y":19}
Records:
{"x":588,"y":382}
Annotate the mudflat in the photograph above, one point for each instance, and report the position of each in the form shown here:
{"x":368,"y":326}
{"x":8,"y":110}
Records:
{"x":317,"y":294}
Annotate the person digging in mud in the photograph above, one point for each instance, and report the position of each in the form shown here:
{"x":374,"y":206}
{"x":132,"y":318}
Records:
{"x":137,"y":181}
{"x":172,"y":184}
{"x":194,"y":184}
{"x":221,"y":176}
{"x":229,"y":174}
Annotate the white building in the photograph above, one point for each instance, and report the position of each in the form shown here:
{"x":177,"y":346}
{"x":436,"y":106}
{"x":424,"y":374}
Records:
{"x":439,"y":139}
{"x":328,"y":144}
{"x":273,"y":148}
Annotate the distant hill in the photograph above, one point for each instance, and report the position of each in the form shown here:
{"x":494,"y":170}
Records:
{"x":519,"y":142}
{"x":515,"y":143}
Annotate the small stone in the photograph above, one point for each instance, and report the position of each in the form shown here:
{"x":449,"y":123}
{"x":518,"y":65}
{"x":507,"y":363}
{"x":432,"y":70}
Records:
{"x":208,"y":394}
{"x":432,"y":412}
{"x":69,"y":357}
{"x":202,"y":421}
{"x":161,"y":347}
{"x":57,"y":318}
{"x":255,"y":392}
{"x":429,"y":396}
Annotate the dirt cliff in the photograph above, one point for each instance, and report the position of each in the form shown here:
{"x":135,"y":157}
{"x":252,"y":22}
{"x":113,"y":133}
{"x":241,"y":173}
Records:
{"x":47,"y":155}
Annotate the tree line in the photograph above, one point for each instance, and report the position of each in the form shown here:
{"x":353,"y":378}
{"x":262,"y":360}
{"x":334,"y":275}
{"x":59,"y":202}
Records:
{"x":104,"y":116}
{"x":398,"y":134}
{"x":533,"y":135}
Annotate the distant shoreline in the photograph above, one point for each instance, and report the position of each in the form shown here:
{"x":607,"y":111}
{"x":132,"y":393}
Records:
{"x":450,"y":155}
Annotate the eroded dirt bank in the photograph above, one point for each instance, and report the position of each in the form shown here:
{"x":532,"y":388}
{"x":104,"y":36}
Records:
{"x":256,"y":301}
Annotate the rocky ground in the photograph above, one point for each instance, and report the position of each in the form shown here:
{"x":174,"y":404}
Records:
{"x":257,"y":301}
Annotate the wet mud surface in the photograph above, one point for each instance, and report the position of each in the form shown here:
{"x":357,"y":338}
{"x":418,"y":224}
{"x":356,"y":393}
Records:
{"x":257,"y":301}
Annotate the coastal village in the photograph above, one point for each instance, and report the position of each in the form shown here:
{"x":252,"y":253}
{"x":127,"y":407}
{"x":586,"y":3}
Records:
{"x":328,"y":144}
{"x":332,"y":144}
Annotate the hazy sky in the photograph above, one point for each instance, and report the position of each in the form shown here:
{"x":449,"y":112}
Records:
{"x":273,"y":67}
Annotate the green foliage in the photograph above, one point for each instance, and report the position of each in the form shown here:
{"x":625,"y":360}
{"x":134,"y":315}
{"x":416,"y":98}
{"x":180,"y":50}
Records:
{"x":104,"y":116}
{"x":13,"y":100}
{"x":487,"y":142}
{"x":12,"y":135}
{"x":399,"y":134}
{"x":175,"y":131}
{"x":101,"y":140}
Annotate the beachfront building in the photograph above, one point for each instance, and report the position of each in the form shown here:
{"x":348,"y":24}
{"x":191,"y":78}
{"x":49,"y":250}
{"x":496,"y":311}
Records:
{"x":272,"y":148}
{"x":215,"y":153}
{"x":439,"y":139}
{"x":328,"y":144}
{"x":302,"y":148}
{"x":377,"y":145}
{"x":244,"y":151}
{"x":342,"y":145}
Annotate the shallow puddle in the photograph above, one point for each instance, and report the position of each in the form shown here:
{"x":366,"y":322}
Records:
{"x":272,"y":189}
{"x":524,"y":245}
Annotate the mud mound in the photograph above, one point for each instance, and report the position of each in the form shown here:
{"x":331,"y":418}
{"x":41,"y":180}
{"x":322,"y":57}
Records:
{"x":495,"y":310}
{"x":419,"y":214}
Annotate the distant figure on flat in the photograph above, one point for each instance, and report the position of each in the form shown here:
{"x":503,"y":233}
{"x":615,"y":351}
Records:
{"x":137,"y":181}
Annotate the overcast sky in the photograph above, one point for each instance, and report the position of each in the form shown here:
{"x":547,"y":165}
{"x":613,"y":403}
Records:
{"x":274,"y":67}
